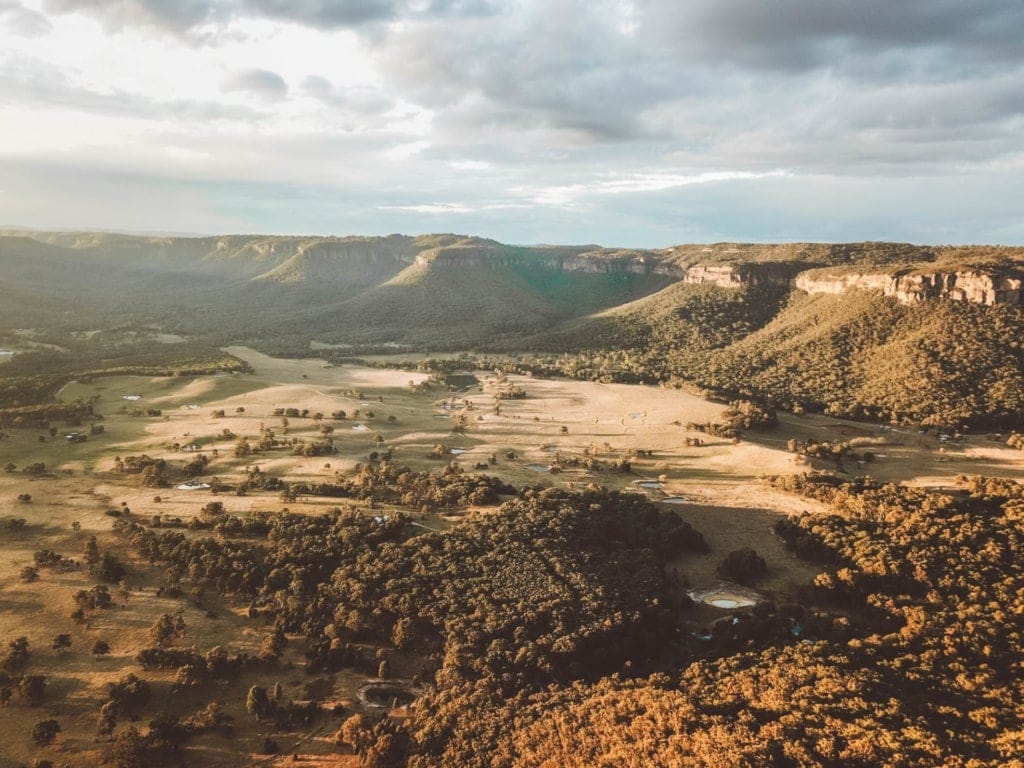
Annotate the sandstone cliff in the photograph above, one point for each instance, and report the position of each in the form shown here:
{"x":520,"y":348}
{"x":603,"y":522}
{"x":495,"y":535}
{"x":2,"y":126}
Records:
{"x":975,"y":286}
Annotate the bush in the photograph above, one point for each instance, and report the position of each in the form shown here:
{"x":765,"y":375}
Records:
{"x":743,"y":566}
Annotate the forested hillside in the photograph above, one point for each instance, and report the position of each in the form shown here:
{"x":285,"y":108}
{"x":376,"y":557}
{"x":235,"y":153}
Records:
{"x":911,"y":659}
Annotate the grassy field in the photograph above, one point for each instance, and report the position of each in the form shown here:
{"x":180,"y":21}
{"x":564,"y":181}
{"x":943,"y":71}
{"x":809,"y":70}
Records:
{"x":718,"y":481}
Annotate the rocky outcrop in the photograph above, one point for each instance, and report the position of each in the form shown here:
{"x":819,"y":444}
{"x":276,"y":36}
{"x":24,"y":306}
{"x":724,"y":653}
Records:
{"x":741,"y":275}
{"x":635,"y":263}
{"x":975,"y":286}
{"x":561,"y":259}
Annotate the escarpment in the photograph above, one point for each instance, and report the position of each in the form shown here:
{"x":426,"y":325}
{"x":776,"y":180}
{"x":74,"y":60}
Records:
{"x":975,"y":286}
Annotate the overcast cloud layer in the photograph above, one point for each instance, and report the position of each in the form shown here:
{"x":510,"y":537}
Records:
{"x":628,"y":122}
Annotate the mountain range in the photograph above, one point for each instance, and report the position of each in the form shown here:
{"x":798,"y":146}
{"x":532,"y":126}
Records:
{"x":857,"y":329}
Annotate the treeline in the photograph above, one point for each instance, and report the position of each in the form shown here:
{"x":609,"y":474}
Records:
{"x":33,"y":377}
{"x":41,"y":416}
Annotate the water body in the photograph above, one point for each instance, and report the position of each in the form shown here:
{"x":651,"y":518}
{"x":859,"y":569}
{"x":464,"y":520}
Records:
{"x":727,"y":597}
{"x":384,"y":695}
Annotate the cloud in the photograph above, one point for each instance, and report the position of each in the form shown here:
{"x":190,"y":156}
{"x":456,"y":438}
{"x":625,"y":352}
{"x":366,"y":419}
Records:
{"x":471,"y":165}
{"x":23,"y":21}
{"x":608,"y":114}
{"x":187,"y":17}
{"x":324,"y":13}
{"x":406,"y":150}
{"x":33,"y":83}
{"x":175,"y":16}
{"x":445,"y":209}
{"x":360,"y":101}
{"x":565,"y":195}
{"x":258,"y":82}
{"x":805,"y":34}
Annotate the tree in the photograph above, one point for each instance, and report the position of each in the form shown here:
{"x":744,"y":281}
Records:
{"x":100,"y":648}
{"x":32,"y":688}
{"x":45,"y":731}
{"x":162,"y":630}
{"x":743,"y":565}
{"x":258,"y":704}
{"x":354,"y":732}
{"x":107,"y":720}
{"x":17,"y":656}
{"x":213,"y":508}
{"x":92,"y":552}
{"x":61,"y":643}
{"x":130,"y":750}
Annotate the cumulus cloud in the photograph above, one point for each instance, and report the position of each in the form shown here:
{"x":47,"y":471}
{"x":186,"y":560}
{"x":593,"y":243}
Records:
{"x":803,"y":34}
{"x":354,"y":100}
{"x":23,"y":21}
{"x":30,"y":83}
{"x":178,"y":16}
{"x":183,"y":17}
{"x":258,"y":82}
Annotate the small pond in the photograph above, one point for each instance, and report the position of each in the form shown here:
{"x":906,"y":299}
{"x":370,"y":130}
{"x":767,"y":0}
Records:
{"x":386,"y":695}
{"x":193,"y":486}
{"x":728,"y":597}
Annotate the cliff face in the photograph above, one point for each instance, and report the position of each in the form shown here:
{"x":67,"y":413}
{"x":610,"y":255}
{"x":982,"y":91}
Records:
{"x":561,"y":259}
{"x":741,"y":275}
{"x":976,"y":286}
{"x":973,"y":286}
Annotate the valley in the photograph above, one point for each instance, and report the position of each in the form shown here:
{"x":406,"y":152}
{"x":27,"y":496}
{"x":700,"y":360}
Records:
{"x":437,"y":500}
{"x":543,"y":440}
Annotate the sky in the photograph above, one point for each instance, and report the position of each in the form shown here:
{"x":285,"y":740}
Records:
{"x":641,"y":123}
